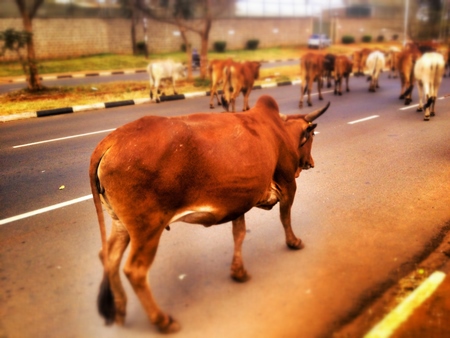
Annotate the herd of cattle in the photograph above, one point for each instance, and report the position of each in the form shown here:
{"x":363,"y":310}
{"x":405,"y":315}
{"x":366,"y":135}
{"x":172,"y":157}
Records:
{"x":415,"y":63}
{"x":212,"y":168}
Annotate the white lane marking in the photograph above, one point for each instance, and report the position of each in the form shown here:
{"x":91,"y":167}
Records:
{"x":409,"y":107}
{"x":415,"y":105}
{"x":40,"y":211}
{"x":64,"y":138}
{"x":364,"y":119}
{"x":396,"y":317}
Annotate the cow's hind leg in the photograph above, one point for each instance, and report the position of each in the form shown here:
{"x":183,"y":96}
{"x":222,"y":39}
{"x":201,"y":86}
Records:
{"x":143,"y":250}
{"x":112,"y":299}
{"x":238,"y":272}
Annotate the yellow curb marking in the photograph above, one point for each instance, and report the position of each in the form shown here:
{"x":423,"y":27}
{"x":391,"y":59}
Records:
{"x":392,"y":321}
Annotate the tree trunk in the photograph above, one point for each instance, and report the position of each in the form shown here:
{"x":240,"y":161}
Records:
{"x":133,"y":27}
{"x":34,"y":82}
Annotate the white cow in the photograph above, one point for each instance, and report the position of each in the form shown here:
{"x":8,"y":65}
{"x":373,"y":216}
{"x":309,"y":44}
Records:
{"x":428,"y":73}
{"x":375,"y":63}
{"x":164,"y":71}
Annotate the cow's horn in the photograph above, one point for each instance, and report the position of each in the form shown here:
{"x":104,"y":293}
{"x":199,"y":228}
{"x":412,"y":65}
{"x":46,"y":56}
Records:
{"x":316,"y":113}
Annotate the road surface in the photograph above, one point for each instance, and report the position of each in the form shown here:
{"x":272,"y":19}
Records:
{"x":371,"y":208}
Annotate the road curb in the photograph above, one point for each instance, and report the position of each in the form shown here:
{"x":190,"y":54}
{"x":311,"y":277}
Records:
{"x":389,"y":324}
{"x":109,"y":73}
{"x":113,"y":104}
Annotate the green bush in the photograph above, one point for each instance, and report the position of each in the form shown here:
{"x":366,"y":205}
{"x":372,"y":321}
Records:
{"x":380,"y":38}
{"x":347,"y":39}
{"x":140,"y":47}
{"x":220,"y":46}
{"x":252,"y":44}
{"x":366,"y":38}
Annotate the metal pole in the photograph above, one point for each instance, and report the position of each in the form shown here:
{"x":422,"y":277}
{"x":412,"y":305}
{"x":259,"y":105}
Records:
{"x":405,"y":28}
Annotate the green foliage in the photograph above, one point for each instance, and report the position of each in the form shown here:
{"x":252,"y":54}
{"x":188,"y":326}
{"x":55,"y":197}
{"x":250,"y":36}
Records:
{"x":14,"y":40}
{"x":366,"y":38}
{"x":348,"y":39}
{"x":220,"y":46}
{"x":252,"y":44}
{"x":140,"y":47}
{"x":380,"y":38}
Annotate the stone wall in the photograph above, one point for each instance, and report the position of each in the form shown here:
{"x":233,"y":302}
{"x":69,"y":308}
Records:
{"x":58,"y":38}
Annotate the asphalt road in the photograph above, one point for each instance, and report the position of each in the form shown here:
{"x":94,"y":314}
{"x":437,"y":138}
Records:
{"x":371,"y":208}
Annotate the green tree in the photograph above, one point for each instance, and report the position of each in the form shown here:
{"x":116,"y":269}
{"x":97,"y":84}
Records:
{"x":195,"y":16}
{"x":28,"y":13}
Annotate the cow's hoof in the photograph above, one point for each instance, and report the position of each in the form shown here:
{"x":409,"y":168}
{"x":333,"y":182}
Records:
{"x":320,"y":98}
{"x":296,"y":245}
{"x":426,"y":118}
{"x":300,"y":105}
{"x":309,"y":104}
{"x":419,"y":109}
{"x":240,"y":276}
{"x":401,"y":97}
{"x":211,"y":106}
{"x":172,"y":327}
{"x":340,"y":94}
{"x":432,"y":113}
{"x":407,"y":102}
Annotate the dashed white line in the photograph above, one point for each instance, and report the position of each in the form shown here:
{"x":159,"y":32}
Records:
{"x":40,"y":211}
{"x":364,"y":119}
{"x":63,"y":138}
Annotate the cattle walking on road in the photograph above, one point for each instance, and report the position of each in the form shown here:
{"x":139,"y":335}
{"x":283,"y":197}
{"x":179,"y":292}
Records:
{"x":239,"y":77}
{"x":406,"y":60}
{"x":375,"y":64}
{"x":164,"y":71}
{"x":215,"y":69}
{"x":428,"y":71}
{"x":202,"y":168}
{"x":342,"y":69}
{"x":311,"y":69}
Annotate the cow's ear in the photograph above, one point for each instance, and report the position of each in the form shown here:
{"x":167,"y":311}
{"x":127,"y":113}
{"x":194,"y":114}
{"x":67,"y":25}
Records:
{"x":311,"y":127}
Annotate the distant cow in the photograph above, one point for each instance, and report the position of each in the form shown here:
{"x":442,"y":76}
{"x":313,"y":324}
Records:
{"x":375,"y":64}
{"x":359,"y":60}
{"x":328,"y":67}
{"x":202,"y":168}
{"x":392,"y":61}
{"x":406,"y":59}
{"x":428,"y":71}
{"x":215,"y":69}
{"x":311,"y":69}
{"x":239,"y":77}
{"x":342,"y":69}
{"x":164,"y":71}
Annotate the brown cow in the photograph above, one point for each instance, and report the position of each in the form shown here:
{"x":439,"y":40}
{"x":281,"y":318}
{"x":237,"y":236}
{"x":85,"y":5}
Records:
{"x":215,"y":69}
{"x":392,"y":61}
{"x":328,"y":67}
{"x":202,"y":168}
{"x":239,"y":77}
{"x":359,"y":60}
{"x":342,"y":69}
{"x":406,"y":60}
{"x":311,"y":69}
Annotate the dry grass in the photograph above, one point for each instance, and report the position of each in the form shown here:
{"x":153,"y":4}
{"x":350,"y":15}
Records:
{"x":59,"y":97}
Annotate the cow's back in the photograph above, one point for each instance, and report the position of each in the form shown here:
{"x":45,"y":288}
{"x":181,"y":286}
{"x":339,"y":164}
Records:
{"x":164,"y":162}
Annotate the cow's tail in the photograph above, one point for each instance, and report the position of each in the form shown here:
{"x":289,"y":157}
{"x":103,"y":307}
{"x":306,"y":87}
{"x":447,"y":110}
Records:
{"x":434,"y":74}
{"x":227,"y":87}
{"x":105,"y":300}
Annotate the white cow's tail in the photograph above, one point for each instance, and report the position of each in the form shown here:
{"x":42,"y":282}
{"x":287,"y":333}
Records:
{"x":434,"y":80}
